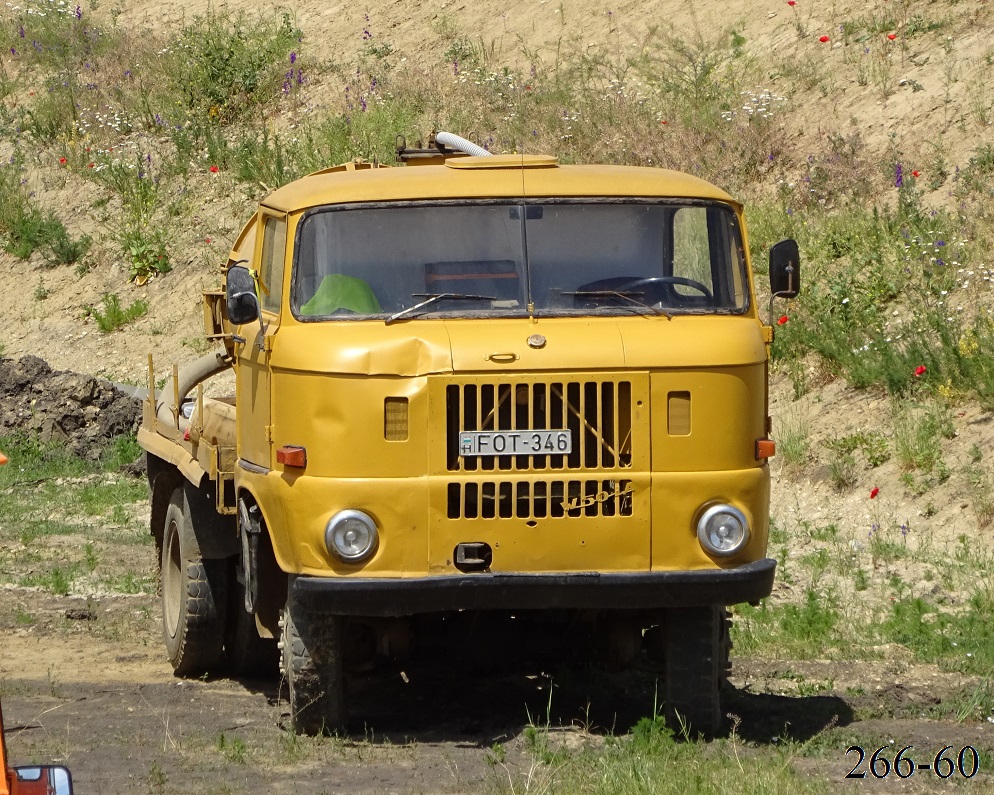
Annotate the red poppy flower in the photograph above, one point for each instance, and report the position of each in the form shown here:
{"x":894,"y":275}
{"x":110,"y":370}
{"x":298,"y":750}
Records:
{"x":874,"y":492}
{"x":207,"y":240}
{"x":783,"y":319}
{"x":663,"y":121}
{"x":214,"y":169}
{"x":792,"y":2}
{"x":823,"y":39}
{"x":916,"y":173}
{"x":90,"y":165}
{"x":892,"y":36}
{"x":920,"y":370}
{"x":62,"y":161}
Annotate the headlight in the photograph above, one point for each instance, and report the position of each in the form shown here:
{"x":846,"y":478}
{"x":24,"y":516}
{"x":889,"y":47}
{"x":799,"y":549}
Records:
{"x":350,"y":536}
{"x":722,"y":530}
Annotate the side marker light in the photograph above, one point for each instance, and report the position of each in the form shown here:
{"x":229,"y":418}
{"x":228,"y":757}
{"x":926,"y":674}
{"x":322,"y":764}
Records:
{"x":291,"y":455}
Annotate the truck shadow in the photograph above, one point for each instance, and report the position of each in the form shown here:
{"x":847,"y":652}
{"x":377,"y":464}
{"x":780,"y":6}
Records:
{"x":451,"y":704}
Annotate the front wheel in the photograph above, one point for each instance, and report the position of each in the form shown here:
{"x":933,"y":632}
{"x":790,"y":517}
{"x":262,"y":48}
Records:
{"x":194,"y":593}
{"x":245,"y":652}
{"x":697,"y":651}
{"x":313,"y":668}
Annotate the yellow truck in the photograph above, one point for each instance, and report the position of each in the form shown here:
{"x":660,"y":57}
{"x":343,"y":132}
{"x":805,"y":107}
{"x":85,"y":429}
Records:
{"x":492,"y":400}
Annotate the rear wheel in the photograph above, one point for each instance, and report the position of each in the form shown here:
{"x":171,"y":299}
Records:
{"x":312,"y":663}
{"x":194,"y":593}
{"x":696,"y":662}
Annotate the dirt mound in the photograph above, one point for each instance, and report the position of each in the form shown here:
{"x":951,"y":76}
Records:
{"x":79,"y":411}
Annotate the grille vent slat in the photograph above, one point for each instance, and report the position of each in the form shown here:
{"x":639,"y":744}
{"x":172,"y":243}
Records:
{"x":599,"y":415}
{"x":539,"y":499}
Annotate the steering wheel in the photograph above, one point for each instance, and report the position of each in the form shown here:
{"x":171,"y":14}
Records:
{"x":681,"y":280}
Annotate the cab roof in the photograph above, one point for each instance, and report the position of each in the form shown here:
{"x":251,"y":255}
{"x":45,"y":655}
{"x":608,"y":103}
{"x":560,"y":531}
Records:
{"x":499,"y":176}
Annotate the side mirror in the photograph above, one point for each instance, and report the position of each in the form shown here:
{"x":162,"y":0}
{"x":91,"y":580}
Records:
{"x":242,"y":302}
{"x":785,"y":270}
{"x":53,"y":779}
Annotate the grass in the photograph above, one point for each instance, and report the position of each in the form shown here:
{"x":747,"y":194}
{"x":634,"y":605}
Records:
{"x":892,"y":586}
{"x":113,"y":316}
{"x":652,"y":759}
{"x":27,"y":227}
{"x":793,"y":442}
{"x":60,"y":517}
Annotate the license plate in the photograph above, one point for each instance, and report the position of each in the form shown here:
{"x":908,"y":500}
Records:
{"x":515,"y":443}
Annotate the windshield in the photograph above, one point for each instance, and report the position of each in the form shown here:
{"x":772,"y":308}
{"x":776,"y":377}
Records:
{"x":493,"y":259}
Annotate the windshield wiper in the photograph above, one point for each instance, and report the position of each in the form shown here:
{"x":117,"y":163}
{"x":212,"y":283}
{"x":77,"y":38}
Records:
{"x":433,"y":298}
{"x":630,"y":297}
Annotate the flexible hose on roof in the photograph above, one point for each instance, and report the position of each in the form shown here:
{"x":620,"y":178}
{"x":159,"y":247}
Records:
{"x":457,"y":142}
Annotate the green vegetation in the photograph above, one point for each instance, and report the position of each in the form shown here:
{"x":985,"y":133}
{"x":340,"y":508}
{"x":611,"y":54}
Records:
{"x":25,"y":227}
{"x":651,"y":759}
{"x":60,"y":513}
{"x":113,"y":316}
{"x":844,"y":613}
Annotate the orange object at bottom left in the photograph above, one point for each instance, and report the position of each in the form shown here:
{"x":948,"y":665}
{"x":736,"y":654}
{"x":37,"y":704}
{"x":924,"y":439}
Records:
{"x":33,"y":779}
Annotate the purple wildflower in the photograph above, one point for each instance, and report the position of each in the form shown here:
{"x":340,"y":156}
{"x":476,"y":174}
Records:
{"x":898,"y":175}
{"x":293,"y":58}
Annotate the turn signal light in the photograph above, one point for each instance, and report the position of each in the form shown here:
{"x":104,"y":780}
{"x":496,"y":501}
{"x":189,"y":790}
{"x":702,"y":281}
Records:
{"x":765,"y":448}
{"x":291,"y":455}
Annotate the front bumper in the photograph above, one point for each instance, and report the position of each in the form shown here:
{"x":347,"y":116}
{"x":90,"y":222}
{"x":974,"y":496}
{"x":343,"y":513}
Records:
{"x":349,"y":596}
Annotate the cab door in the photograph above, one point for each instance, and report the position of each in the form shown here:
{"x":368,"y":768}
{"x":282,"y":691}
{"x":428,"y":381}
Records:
{"x":253,"y":378}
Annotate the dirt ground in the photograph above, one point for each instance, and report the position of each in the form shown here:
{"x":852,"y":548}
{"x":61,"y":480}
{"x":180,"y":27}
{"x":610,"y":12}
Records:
{"x":87,"y":685}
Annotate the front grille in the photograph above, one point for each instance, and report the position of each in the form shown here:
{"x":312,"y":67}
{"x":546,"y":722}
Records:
{"x":539,"y":499}
{"x":598,"y":414}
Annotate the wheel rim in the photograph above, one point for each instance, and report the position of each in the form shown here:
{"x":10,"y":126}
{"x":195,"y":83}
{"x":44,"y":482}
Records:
{"x":172,"y":573}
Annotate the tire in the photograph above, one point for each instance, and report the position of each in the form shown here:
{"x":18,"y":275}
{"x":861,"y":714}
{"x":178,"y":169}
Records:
{"x":312,"y":662}
{"x":245,"y":653}
{"x":194,"y":593}
{"x":696,"y":662}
